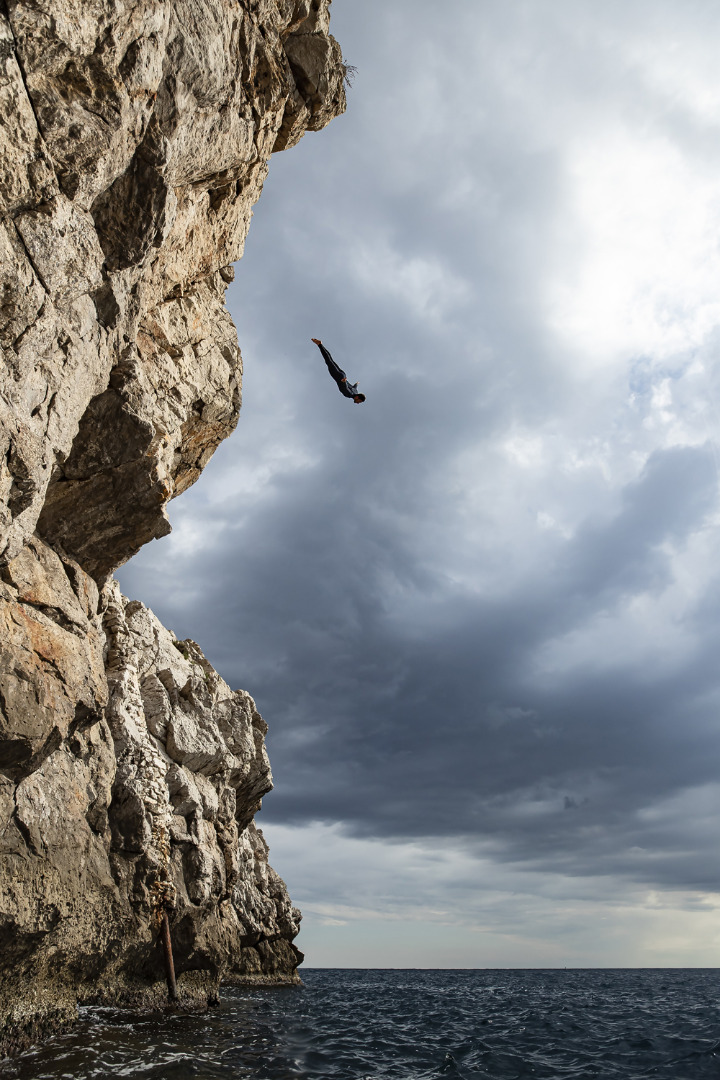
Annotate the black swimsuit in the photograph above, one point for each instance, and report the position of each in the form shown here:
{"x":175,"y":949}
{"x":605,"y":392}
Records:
{"x":346,"y":388}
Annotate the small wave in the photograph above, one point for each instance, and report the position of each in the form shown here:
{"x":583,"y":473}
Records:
{"x":425,"y":1025}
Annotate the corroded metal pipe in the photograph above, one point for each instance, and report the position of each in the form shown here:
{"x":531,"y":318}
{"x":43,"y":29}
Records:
{"x":167,"y":952}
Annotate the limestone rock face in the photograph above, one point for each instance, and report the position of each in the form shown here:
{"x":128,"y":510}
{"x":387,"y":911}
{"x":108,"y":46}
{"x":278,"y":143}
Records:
{"x":134,"y":140}
{"x":190,"y":771}
{"x":146,"y":789}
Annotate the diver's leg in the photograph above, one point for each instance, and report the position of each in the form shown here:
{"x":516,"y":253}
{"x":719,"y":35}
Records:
{"x":337,"y":372}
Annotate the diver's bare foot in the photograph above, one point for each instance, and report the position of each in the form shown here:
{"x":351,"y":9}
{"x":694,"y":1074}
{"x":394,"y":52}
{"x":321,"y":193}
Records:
{"x":316,"y":340}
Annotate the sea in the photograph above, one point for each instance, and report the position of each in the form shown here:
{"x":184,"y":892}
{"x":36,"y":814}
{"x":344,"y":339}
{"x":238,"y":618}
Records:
{"x":411,"y":1025}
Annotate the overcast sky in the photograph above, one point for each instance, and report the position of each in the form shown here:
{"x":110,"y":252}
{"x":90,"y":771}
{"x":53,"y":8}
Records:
{"x":481,"y":612}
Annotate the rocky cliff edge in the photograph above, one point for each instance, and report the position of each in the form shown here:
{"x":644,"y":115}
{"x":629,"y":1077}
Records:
{"x":135,"y":139}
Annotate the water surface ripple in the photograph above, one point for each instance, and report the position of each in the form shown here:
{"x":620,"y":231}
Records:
{"x":412,"y":1025}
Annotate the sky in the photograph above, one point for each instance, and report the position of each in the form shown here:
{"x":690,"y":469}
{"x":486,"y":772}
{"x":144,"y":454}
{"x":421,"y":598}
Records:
{"x":481,"y":611}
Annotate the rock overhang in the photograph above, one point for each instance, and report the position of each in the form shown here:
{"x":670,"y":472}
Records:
{"x":136,"y":139}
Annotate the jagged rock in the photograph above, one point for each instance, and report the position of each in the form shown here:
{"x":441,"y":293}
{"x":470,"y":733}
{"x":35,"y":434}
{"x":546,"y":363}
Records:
{"x":101,"y":810}
{"x":191,"y":770}
{"x":134,"y":141}
{"x":52,"y":678}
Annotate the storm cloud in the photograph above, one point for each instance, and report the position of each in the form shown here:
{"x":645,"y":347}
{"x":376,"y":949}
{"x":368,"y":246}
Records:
{"x":480,"y":612}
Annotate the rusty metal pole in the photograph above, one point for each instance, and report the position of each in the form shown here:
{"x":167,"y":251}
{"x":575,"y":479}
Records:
{"x":167,"y":951}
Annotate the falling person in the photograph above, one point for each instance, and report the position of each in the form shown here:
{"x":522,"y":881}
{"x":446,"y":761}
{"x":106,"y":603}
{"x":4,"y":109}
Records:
{"x":346,"y":388}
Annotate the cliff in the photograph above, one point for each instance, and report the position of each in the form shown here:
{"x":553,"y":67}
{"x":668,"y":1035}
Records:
{"x":135,"y":139}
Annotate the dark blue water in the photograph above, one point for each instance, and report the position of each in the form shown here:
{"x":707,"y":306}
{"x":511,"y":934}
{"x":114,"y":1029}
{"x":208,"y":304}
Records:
{"x":414,"y":1025}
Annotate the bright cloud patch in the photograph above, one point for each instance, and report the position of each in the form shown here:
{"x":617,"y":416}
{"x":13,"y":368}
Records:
{"x":647,"y":228}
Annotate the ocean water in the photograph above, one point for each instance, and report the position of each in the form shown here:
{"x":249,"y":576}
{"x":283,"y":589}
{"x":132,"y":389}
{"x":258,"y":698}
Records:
{"x":412,"y":1025}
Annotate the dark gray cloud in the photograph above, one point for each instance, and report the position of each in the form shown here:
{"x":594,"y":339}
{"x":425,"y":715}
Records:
{"x":484,"y":605}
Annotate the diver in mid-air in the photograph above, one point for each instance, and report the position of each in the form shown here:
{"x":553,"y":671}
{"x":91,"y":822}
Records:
{"x":347,"y":389}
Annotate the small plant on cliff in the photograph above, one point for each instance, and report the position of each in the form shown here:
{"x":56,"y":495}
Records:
{"x":349,"y":73}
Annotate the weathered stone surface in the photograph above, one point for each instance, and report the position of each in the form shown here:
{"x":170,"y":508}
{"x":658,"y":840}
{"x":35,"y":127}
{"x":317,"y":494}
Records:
{"x":106,"y":811}
{"x":134,"y":141}
{"x":56,"y":770}
{"x":191,"y":771}
{"x":52,"y":677}
{"x":171,"y":399}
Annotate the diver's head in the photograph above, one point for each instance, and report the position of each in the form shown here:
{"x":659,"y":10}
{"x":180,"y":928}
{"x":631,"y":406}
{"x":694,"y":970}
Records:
{"x":358,"y":399}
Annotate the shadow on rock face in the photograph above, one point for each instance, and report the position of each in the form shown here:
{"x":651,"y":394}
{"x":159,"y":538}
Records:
{"x":136,"y":141}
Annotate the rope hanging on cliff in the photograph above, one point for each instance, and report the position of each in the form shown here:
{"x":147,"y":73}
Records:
{"x":163,"y":901}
